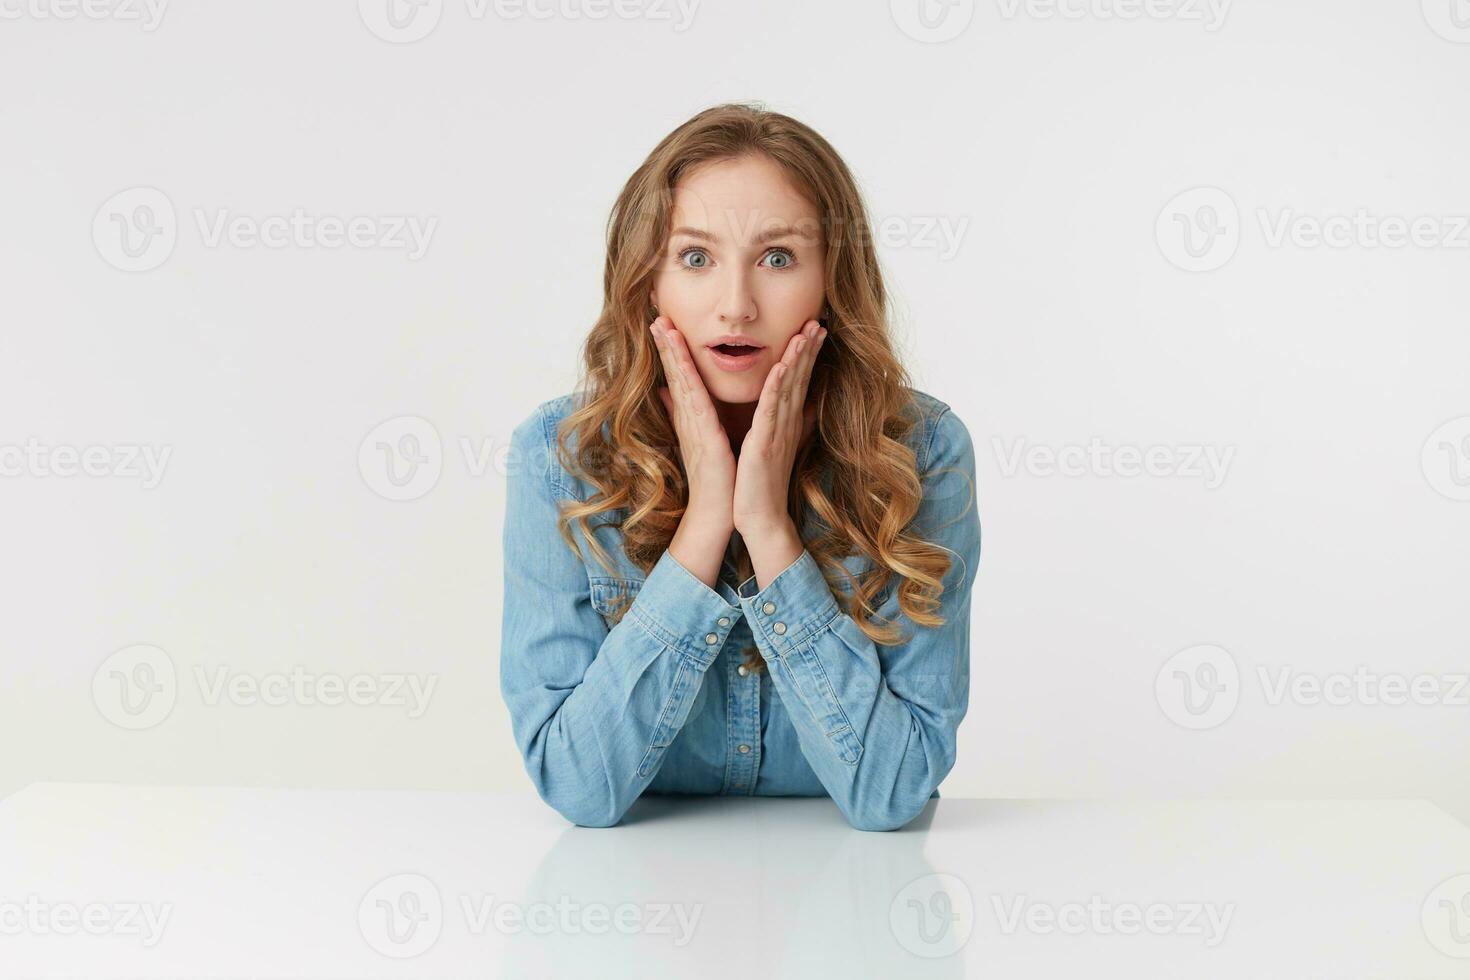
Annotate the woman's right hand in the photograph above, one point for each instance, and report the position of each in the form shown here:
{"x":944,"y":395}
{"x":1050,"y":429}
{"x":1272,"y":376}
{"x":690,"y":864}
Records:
{"x":709,"y":460}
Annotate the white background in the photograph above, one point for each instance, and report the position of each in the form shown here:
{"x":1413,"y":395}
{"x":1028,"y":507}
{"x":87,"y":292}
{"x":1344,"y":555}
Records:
{"x":1054,"y":147}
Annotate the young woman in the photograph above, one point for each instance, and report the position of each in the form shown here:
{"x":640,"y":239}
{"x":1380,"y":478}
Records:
{"x":711,"y":546}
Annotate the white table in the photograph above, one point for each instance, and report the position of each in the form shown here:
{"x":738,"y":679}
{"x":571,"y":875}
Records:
{"x":129,"y":881}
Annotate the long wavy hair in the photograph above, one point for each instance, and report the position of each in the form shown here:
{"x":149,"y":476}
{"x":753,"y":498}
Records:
{"x":854,"y":486}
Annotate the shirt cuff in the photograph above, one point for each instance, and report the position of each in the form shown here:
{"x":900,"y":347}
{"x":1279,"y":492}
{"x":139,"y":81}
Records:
{"x":793,"y":607}
{"x":675,"y":607}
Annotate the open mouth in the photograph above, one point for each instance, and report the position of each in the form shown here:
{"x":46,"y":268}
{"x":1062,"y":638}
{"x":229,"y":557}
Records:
{"x":736,"y":350}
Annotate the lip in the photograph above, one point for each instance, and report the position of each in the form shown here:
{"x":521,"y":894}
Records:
{"x":729,"y":362}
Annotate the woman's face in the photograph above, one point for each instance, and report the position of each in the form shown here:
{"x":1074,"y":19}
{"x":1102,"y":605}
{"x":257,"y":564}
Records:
{"x":745,"y":258}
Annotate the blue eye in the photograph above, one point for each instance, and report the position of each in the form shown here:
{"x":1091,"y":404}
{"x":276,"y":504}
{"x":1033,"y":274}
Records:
{"x":780,"y":253}
{"x":693,"y":251}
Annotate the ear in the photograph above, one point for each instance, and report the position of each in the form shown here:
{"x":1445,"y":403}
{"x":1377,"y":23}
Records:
{"x":808,"y":420}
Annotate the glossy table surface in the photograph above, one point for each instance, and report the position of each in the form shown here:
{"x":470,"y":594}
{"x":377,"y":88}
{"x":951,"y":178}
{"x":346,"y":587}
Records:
{"x":136,"y":881}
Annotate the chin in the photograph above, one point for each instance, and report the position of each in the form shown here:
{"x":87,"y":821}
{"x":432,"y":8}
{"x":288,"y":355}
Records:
{"x":734,"y":391}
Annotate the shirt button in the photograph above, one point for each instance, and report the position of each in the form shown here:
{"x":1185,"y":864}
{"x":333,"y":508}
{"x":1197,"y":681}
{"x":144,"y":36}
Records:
{"x":780,"y":628}
{"x":711,"y":639}
{"x":724,"y":620}
{"x":768,"y":608}
{"x":742,"y":670}
{"x":743,"y":749}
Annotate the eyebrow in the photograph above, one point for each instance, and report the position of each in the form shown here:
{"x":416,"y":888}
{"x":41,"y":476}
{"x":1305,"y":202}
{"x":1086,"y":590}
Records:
{"x":770,"y":234}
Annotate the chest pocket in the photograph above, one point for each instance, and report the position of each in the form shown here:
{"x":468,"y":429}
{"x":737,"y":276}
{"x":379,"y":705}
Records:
{"x":611,"y":597}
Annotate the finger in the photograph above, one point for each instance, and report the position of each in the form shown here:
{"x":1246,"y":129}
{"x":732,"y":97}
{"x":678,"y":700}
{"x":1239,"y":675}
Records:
{"x":673,"y":401}
{"x":666,"y":337}
{"x":696,"y":397}
{"x":763,"y":421}
{"x":785,"y":411}
{"x":815,"y":334}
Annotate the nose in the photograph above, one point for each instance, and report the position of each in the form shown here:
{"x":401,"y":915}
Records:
{"x":737,"y":304}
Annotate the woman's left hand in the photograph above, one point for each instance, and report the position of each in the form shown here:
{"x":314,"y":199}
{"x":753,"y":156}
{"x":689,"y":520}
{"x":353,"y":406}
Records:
{"x":783,"y":421}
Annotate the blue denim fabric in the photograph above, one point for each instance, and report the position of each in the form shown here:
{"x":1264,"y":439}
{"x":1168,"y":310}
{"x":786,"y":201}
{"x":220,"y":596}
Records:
{"x":604,"y":710}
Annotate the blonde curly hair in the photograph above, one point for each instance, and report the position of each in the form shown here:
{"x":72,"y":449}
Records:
{"x":856,"y":477}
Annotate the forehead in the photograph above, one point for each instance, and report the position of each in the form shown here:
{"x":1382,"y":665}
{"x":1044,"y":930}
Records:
{"x":736,"y":200}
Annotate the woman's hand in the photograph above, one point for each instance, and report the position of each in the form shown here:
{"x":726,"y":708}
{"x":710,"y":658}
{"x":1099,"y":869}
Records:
{"x":709,"y":463}
{"x":783,"y":421}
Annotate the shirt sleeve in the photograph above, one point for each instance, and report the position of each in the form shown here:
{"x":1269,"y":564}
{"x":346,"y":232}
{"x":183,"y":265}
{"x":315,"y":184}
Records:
{"x":592,"y":709}
{"x":877,"y":723}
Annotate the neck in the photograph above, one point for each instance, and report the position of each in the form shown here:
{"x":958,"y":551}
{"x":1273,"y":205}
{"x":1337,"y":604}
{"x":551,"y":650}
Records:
{"x":736,"y":418}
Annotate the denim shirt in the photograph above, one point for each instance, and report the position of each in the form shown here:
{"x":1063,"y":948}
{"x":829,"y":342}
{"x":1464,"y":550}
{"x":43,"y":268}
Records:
{"x":603,"y":710}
